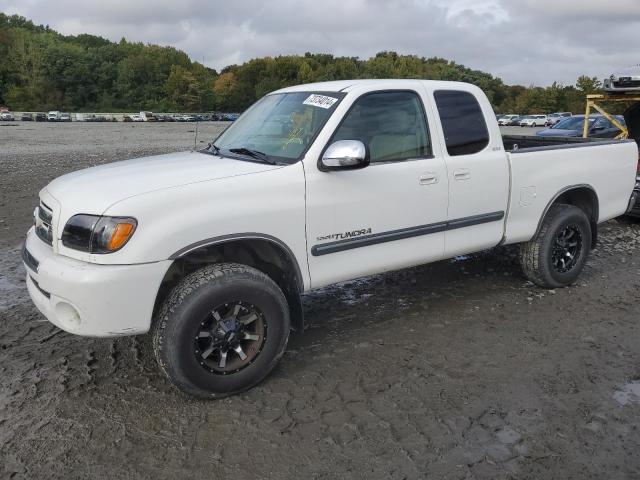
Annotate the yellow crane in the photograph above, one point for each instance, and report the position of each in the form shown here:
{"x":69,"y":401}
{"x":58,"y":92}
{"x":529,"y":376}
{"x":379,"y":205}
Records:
{"x":593,"y":102}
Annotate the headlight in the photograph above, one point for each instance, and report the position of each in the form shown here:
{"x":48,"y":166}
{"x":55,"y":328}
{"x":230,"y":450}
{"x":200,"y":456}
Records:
{"x":95,"y":234}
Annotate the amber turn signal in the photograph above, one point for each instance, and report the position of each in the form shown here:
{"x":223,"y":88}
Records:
{"x":120,"y":235}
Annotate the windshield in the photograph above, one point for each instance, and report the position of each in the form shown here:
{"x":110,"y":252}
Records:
{"x":573,"y":123}
{"x":280,"y":126}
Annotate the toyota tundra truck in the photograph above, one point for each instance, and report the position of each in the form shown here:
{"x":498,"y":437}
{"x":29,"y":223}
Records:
{"x":210,"y":251}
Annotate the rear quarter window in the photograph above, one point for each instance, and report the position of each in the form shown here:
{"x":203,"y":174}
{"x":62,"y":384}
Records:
{"x":465,"y":130}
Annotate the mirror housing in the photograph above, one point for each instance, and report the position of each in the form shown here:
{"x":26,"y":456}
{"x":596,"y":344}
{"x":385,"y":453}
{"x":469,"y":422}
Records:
{"x":344,"y":155}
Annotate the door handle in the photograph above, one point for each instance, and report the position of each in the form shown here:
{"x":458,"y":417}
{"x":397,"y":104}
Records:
{"x":462,"y":174}
{"x":428,"y":178}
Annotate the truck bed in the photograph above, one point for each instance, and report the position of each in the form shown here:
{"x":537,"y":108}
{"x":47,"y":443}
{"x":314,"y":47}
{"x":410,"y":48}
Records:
{"x":543,"y":167}
{"x":514,"y":143}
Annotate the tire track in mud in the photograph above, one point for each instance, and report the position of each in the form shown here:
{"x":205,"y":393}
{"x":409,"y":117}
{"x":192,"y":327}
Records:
{"x":459,"y":369}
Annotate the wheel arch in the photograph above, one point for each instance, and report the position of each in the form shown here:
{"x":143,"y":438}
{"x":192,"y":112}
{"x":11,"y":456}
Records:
{"x":584,"y":197}
{"x":263,"y":252}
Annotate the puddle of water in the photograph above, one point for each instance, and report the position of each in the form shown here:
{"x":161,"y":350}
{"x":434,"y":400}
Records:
{"x":627,"y":394}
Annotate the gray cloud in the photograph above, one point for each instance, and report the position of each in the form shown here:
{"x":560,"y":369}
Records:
{"x":521,"y":41}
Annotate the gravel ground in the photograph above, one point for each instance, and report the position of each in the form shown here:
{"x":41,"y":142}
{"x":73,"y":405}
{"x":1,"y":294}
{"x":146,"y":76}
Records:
{"x":459,"y":369}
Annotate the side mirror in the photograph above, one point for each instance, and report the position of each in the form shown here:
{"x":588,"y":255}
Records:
{"x":344,"y":155}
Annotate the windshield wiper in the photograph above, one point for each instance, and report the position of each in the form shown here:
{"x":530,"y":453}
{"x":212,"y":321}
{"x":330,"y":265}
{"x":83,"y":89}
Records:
{"x":254,"y":154}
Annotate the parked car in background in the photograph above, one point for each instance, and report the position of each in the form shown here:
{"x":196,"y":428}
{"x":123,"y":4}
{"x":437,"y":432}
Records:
{"x":534,"y":121}
{"x":7,"y":116}
{"x":507,"y":119}
{"x":95,"y":118}
{"x":552,"y":119}
{"x":64,"y":117}
{"x":625,"y":81}
{"x":557,"y":117}
{"x":148,"y":117}
{"x":26,"y":117}
{"x":53,"y":116}
{"x":515,"y":122}
{"x":599,"y":127}
{"x":184,"y":118}
{"x":133,"y":117}
{"x":41,"y":117}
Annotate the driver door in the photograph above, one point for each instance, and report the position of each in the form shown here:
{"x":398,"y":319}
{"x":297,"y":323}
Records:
{"x":386,"y":216}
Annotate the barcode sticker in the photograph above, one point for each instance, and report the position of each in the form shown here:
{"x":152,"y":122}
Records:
{"x":321,"y":101}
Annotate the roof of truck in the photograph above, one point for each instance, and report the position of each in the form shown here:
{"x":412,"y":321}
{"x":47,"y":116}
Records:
{"x":346,"y":85}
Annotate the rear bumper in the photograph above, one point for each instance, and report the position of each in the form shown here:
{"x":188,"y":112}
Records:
{"x":90,"y":299}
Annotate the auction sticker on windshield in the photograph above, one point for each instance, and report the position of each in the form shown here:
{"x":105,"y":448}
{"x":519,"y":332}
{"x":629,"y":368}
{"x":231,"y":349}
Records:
{"x":321,"y":101}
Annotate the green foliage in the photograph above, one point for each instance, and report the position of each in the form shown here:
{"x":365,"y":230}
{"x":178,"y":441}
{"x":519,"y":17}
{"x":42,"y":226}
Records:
{"x":43,"y":70}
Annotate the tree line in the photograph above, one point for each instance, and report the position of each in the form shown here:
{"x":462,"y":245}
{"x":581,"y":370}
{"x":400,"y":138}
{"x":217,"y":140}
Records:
{"x":40,"y":69}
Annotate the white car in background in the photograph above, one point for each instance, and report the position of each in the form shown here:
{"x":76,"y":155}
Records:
{"x":6,"y":116}
{"x":53,"y":116}
{"x":134,"y":117}
{"x":534,"y":121}
{"x":554,"y":118}
{"x":506,"y":119}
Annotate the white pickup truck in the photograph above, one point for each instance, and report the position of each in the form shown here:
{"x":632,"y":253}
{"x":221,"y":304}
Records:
{"x":313,"y":185}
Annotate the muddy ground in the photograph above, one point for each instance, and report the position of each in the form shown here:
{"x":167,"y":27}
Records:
{"x":459,"y":369}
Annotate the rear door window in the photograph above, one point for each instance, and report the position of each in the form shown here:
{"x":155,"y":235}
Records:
{"x":465,"y":131}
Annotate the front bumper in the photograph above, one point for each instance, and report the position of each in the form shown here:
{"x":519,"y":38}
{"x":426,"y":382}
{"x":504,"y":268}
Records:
{"x":90,"y":299}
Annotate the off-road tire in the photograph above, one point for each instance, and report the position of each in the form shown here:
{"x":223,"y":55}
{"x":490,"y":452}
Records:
{"x":536,"y":256}
{"x":194,"y":298}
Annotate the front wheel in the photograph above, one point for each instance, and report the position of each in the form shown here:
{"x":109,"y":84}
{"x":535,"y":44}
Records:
{"x":557,"y":254}
{"x":221,"y":331}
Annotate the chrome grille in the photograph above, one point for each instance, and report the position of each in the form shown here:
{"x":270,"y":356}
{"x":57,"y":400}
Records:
{"x":43,"y":220}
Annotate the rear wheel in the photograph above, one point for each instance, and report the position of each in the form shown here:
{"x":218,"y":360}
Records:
{"x":557,"y":254}
{"x":221,"y":331}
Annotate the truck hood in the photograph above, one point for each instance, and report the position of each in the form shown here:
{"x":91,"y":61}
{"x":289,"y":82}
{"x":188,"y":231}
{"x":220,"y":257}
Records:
{"x":93,"y":190}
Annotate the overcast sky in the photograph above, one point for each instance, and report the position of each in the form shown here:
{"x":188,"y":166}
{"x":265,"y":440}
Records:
{"x":520,"y":41}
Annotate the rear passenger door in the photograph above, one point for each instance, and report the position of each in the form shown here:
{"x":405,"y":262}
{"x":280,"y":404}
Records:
{"x":477,"y":169}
